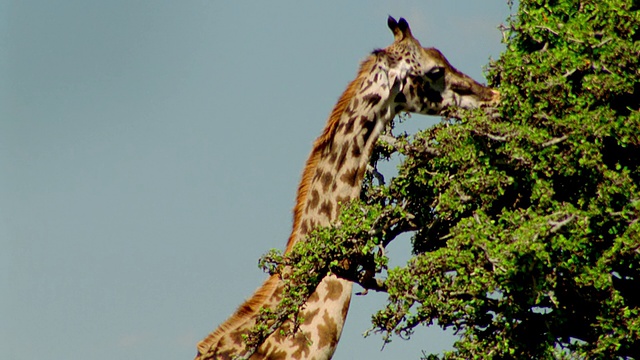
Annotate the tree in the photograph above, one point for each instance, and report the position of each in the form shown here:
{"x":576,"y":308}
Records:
{"x":525,"y":221}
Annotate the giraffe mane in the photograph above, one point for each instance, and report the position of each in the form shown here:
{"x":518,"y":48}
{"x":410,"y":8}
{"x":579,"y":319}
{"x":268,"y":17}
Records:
{"x":324,"y":141}
{"x":252,"y":306}
{"x":244,"y":311}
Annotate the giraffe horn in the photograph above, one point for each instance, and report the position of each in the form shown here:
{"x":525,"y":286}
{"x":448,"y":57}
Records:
{"x":399,"y":28}
{"x":393,"y":25}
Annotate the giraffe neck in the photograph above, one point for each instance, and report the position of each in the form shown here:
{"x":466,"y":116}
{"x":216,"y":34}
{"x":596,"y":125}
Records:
{"x":332,"y":176}
{"x":336,"y":166}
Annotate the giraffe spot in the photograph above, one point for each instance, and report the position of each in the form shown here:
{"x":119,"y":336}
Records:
{"x":333,"y":157}
{"x":372,"y":99}
{"x":236,"y":337}
{"x":302,"y":344}
{"x":304,"y":228}
{"x":269,"y":351}
{"x":225,"y":355}
{"x":366,"y":85}
{"x":309,"y":316}
{"x":278,"y":337}
{"x":348,"y":127}
{"x":317,"y":175}
{"x":364,"y":121}
{"x":350,"y":109}
{"x":326,"y":181}
{"x":314,"y":200}
{"x":334,"y":289}
{"x":350,"y":177}
{"x":326,"y":208}
{"x":327,"y":332}
{"x":313,"y":298}
{"x":368,"y":125}
{"x":355,"y":150}
{"x":342,"y":157}
{"x":342,"y":199}
{"x":345,"y":309}
{"x":277,"y":296}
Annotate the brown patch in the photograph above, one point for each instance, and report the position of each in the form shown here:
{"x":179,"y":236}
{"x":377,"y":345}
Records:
{"x":345,"y":309}
{"x":326,"y":208}
{"x":333,"y":157}
{"x":268,"y":351}
{"x":341,"y":200}
{"x":225,"y":355}
{"x":334,"y":289}
{"x":300,"y":342}
{"x":348,"y":127}
{"x":309,"y":316}
{"x":356,"y":152}
{"x":315,"y":199}
{"x":327,"y":332}
{"x":277,"y":296}
{"x":312,"y":224}
{"x":365,"y":121}
{"x":313,"y":298}
{"x":350,"y":177}
{"x":236,"y":337}
{"x":368,"y":125}
{"x":304,"y":228}
{"x":367,"y":85}
{"x":342,"y":157}
{"x":326,"y":180}
{"x":372,"y":99}
{"x":277,"y":337}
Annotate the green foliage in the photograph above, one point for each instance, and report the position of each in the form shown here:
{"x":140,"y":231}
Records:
{"x":525,"y":222}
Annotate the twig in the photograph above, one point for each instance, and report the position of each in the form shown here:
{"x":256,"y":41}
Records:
{"x":389,"y":140}
{"x":602,"y":42}
{"x":548,"y":29}
{"x":557,"y":225}
{"x":555,"y":141}
{"x":376,"y":174}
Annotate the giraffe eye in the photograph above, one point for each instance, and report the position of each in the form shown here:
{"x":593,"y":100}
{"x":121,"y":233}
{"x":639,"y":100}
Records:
{"x":435,"y":73}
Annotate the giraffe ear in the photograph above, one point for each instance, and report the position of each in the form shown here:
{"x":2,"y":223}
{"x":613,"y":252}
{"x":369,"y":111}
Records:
{"x":400,"y":29}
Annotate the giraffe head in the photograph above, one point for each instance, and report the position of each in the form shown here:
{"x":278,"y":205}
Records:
{"x":427,"y":83}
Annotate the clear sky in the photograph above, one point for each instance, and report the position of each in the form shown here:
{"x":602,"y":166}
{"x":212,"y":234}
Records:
{"x":150,"y":152}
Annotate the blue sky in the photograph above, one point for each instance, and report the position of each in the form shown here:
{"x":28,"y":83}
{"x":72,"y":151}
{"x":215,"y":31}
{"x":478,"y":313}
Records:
{"x":150,"y":153}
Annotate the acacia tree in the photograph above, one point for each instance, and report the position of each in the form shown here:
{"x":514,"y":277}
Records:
{"x":524,"y":221}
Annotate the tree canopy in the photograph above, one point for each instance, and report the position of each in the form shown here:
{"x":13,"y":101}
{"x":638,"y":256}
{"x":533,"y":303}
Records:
{"x":525,"y":220}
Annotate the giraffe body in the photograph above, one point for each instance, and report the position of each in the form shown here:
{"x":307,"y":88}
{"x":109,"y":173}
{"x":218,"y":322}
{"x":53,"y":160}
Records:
{"x":404,"y":77}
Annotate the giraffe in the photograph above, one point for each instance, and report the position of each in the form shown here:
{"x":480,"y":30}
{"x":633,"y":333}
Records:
{"x":404,"y":77}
